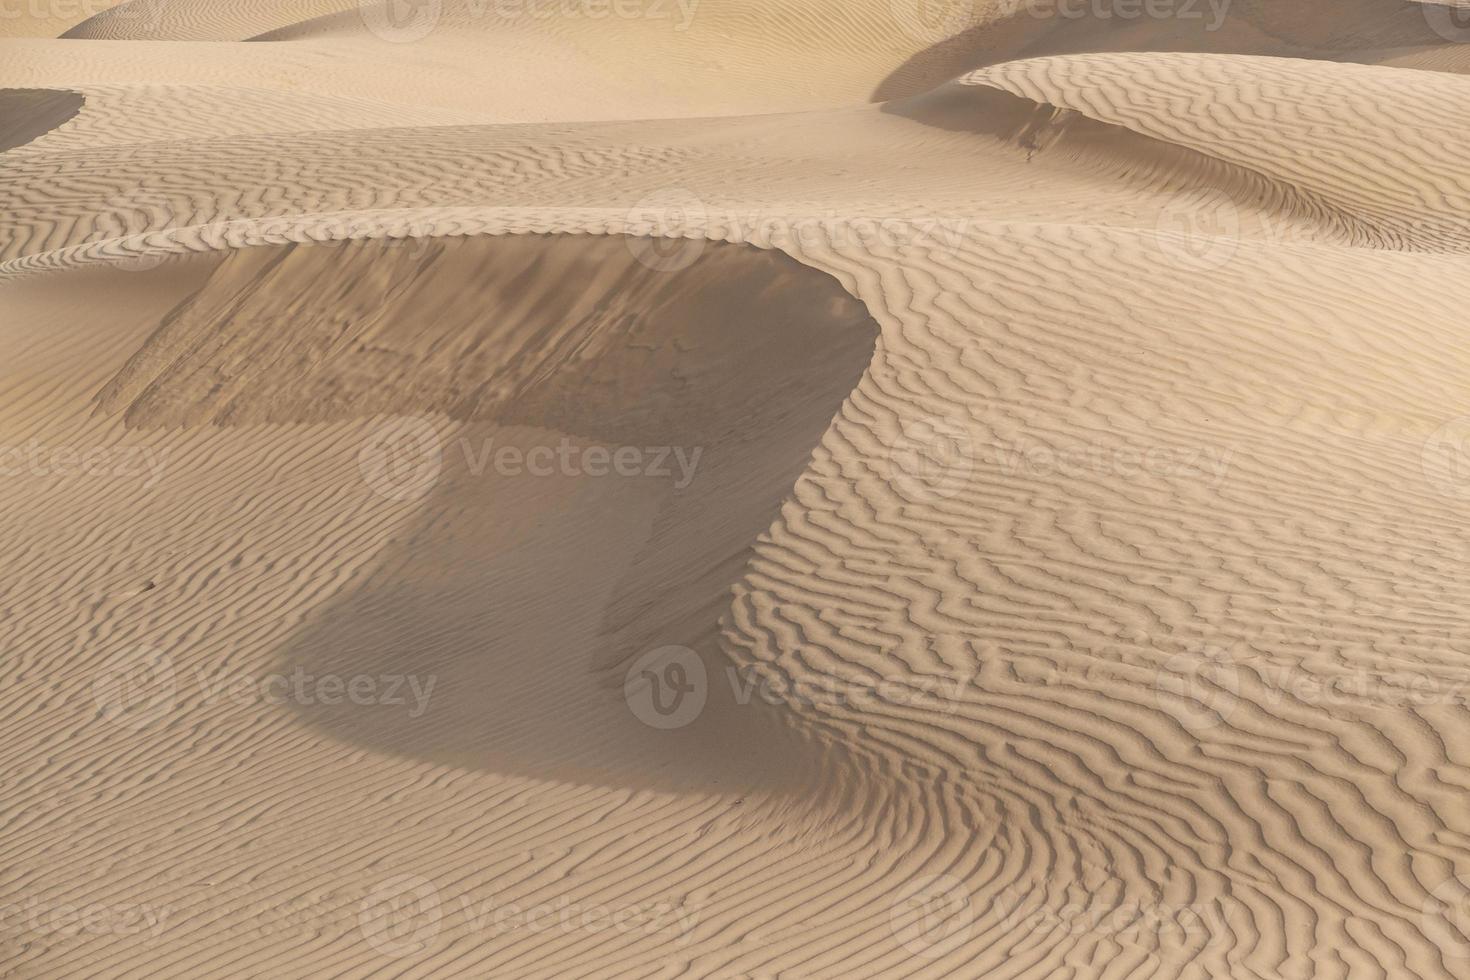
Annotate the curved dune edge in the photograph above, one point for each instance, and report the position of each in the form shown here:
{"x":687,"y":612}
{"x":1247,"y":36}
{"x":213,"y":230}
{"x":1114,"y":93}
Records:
{"x":1022,"y":764}
{"x":1141,"y":162}
{"x":27,"y":115}
{"x":727,"y":364}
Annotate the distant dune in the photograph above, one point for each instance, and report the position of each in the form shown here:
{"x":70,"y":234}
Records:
{"x":734,"y":488}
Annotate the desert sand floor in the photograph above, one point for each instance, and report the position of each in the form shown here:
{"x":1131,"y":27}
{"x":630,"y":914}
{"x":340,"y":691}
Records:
{"x":740,"y":488}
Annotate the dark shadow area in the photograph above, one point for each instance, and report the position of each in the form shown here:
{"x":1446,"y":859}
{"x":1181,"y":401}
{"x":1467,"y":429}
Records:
{"x":29,"y":113}
{"x":525,"y":597}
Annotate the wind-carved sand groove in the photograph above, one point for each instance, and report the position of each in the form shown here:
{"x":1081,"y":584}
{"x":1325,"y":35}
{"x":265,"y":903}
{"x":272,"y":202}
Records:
{"x":1110,"y":501}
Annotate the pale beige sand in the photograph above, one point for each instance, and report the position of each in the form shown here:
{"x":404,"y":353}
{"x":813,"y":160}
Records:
{"x":1060,"y":492}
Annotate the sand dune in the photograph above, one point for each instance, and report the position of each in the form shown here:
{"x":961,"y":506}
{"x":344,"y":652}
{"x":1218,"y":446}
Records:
{"x":834,"y":490}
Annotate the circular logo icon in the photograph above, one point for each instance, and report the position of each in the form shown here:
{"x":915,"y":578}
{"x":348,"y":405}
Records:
{"x":932,"y":459}
{"x":932,"y":21}
{"x":932,"y":916}
{"x":667,"y":230}
{"x":402,"y":459}
{"x":135,"y":688}
{"x":138,"y":212}
{"x":1450,"y":21}
{"x":1445,"y":458}
{"x":1200,"y":688}
{"x":400,"y":21}
{"x":1446,"y":917}
{"x":401,"y":916}
{"x":666,"y":688}
{"x":147,"y":14}
{"x":1200,"y":233}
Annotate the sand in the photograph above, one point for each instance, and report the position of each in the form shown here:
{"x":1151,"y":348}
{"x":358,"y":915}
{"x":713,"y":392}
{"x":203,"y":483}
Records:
{"x":740,"y":488}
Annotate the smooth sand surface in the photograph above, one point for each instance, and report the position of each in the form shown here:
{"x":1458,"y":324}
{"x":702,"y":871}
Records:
{"x":741,"y":489}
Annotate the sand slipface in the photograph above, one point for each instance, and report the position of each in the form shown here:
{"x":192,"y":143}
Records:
{"x":747,"y":489}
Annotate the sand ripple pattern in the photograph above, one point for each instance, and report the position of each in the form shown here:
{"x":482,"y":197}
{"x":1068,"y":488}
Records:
{"x":1106,"y":537}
